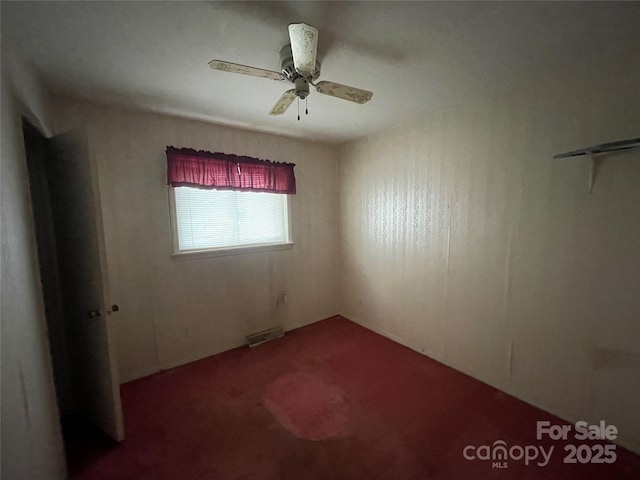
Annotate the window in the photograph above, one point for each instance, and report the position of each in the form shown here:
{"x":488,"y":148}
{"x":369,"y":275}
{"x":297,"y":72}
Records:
{"x":223,"y":219}
{"x":227,"y":203}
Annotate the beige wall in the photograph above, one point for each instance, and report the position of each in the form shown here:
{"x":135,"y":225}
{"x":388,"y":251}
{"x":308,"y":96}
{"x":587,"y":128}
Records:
{"x":31,"y":439}
{"x":217,"y":300}
{"x":462,"y":238}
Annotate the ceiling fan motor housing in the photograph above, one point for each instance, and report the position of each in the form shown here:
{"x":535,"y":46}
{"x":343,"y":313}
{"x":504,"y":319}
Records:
{"x":302,"y":87}
{"x":289,"y":70}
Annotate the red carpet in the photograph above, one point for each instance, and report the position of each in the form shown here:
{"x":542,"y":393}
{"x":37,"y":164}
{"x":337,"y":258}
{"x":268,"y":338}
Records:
{"x":328,"y":401}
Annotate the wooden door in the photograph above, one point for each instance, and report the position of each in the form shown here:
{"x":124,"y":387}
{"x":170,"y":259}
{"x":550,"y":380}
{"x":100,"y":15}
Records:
{"x":77,"y":220}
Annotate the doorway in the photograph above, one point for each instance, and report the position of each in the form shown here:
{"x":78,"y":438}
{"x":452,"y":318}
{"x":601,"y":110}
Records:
{"x":36,"y":148}
{"x":73,"y":281}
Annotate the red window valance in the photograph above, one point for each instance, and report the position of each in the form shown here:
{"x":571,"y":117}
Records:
{"x":187,"y":167}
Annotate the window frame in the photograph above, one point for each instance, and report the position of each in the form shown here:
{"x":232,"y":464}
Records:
{"x":177,"y":254}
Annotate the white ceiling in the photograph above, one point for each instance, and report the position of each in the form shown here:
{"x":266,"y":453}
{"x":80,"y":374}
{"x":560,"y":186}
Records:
{"x":415,"y":56}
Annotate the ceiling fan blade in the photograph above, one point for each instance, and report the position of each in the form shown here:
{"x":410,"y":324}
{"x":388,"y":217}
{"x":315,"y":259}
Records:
{"x":245,"y":70}
{"x":304,"y":46}
{"x":283,"y":102}
{"x":344,"y":92}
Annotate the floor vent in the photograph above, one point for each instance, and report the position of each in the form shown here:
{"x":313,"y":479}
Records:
{"x":264,"y":336}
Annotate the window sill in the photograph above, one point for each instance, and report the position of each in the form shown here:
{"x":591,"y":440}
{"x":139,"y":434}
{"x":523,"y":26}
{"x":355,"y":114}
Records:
{"x":228,"y":251}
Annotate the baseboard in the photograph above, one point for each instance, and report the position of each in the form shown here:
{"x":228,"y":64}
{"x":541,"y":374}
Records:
{"x":224,"y":348}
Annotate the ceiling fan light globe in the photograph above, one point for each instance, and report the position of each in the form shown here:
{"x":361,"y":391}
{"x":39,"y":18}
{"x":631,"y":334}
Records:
{"x":304,"y":43}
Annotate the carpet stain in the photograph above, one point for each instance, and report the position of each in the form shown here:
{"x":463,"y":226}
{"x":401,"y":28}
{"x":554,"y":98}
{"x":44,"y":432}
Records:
{"x":308,"y":407}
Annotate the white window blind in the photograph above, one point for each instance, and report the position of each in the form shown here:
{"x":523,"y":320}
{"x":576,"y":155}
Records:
{"x":210,"y":219}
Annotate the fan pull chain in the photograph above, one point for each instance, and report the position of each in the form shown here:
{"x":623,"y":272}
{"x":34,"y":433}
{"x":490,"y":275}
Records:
{"x":306,"y":110}
{"x":298,"y":108}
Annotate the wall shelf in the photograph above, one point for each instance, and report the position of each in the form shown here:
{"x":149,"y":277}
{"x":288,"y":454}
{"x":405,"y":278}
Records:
{"x":599,"y":150}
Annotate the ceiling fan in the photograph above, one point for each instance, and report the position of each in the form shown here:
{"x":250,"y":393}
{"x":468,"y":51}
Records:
{"x":299,"y":65}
